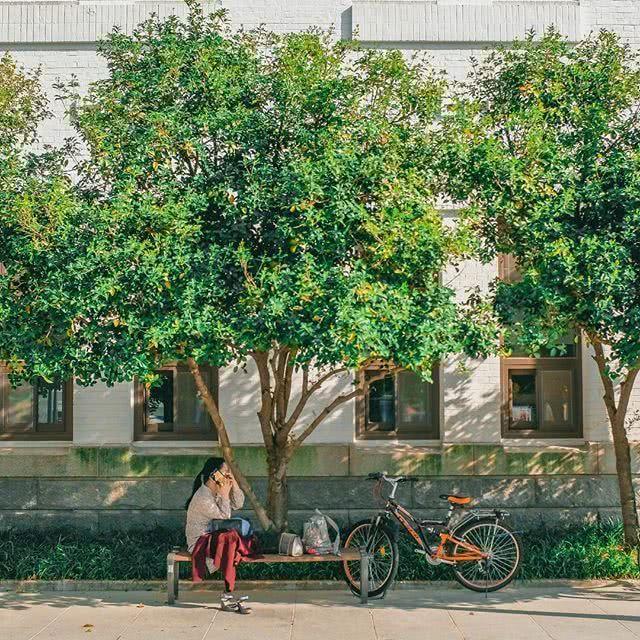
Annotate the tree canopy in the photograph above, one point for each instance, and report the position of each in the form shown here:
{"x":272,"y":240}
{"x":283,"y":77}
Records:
{"x":546,"y":151}
{"x":243,"y":190}
{"x":35,"y":195}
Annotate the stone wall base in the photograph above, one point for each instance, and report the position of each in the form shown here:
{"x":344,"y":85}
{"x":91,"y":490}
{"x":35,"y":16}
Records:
{"x":146,"y":503}
{"x":124,"y":488}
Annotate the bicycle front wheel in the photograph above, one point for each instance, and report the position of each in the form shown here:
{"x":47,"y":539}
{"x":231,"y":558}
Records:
{"x":503,"y":550}
{"x":383,"y":564}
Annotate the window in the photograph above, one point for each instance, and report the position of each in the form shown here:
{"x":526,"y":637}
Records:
{"x":172,"y":409}
{"x":38,"y":411}
{"x":540,"y":396}
{"x":399,"y":406}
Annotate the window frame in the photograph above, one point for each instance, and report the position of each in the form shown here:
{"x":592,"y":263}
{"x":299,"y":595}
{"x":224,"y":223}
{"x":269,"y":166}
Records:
{"x":365,"y":433}
{"x":41,"y":430}
{"x":540,"y":365}
{"x":140,"y":403}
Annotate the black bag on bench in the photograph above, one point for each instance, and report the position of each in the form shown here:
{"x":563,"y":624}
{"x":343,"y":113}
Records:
{"x":242,"y":526}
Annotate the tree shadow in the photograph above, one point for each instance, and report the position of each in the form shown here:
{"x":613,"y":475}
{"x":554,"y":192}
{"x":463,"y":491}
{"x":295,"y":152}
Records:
{"x":518,"y":600}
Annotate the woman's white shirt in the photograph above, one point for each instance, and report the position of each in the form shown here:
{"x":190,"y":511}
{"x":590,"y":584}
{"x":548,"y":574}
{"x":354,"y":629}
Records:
{"x":205,"y":507}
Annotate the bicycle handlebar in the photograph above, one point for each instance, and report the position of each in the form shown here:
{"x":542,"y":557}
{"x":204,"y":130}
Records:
{"x":384,"y":476}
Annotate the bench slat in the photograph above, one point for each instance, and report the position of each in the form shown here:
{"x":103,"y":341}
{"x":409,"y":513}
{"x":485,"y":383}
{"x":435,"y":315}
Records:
{"x":276,"y":557}
{"x":345,"y":554}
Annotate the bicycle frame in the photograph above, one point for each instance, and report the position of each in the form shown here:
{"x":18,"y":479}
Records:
{"x":416,"y":530}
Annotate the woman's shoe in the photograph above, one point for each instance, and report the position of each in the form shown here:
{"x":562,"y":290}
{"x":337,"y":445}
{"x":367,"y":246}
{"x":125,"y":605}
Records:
{"x":229,"y":602}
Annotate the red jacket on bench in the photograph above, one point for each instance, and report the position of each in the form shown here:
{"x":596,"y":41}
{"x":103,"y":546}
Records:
{"x":226,"y":549}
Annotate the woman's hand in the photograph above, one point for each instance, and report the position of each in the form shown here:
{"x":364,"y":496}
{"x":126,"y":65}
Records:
{"x":224,"y":482}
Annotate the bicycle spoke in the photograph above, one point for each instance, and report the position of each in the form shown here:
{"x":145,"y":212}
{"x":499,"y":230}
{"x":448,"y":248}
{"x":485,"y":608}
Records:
{"x":502,"y":556}
{"x":380,"y":564}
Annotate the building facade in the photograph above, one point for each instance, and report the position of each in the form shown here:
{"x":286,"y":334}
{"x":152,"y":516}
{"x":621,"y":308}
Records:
{"x":529,"y":435}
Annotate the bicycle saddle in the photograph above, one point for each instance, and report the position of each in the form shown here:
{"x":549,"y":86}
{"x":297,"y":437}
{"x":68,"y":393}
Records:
{"x":455,"y":499}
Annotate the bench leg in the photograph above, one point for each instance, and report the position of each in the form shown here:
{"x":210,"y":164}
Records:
{"x":172,"y":579}
{"x":364,"y":575}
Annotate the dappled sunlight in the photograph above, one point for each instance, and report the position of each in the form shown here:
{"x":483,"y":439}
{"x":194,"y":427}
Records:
{"x":472,"y":400}
{"x":408,"y":459}
{"x":116,"y":494}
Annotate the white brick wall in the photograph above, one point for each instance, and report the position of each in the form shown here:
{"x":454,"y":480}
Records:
{"x":59,"y":37}
{"x":621,"y":16}
{"x":471,"y":389}
{"x":103,"y":415}
{"x":59,"y":63}
{"x":401,"y":21}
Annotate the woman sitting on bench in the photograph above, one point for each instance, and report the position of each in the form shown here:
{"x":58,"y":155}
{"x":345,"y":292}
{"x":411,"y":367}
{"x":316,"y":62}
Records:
{"x":215,"y":495}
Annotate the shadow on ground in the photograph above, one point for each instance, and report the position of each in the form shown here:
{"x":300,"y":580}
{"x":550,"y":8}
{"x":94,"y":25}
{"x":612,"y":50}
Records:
{"x":563,"y":599}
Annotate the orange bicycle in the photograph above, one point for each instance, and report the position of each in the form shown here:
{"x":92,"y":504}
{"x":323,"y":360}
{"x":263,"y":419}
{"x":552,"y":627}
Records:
{"x":483,"y":553}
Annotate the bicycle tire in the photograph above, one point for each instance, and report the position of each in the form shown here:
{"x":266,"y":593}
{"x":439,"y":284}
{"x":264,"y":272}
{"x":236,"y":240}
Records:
{"x":388,"y":545}
{"x":510,"y":545}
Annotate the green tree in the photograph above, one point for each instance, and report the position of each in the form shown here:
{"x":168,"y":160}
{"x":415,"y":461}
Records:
{"x":35,"y":193}
{"x":247,"y":197}
{"x":544,"y":149}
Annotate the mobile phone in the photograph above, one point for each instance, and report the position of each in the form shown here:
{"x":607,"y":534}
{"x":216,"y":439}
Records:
{"x":219,"y":478}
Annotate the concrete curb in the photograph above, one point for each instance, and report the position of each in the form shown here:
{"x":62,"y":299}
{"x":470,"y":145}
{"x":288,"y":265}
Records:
{"x":38,"y":586}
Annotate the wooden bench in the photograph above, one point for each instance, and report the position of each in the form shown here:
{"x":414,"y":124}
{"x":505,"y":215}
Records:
{"x":176,"y":556}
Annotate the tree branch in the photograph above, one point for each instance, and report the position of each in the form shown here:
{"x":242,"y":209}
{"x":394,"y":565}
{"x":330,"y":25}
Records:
{"x":279,"y":366}
{"x":626,"y":387}
{"x":264,"y":414}
{"x":607,"y":383}
{"x":307,"y":392}
{"x":361,"y":389}
{"x":310,"y":428}
{"x":288,"y":377}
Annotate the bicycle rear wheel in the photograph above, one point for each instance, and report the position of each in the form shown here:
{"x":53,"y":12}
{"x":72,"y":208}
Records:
{"x":383,"y":564}
{"x":501,"y":565}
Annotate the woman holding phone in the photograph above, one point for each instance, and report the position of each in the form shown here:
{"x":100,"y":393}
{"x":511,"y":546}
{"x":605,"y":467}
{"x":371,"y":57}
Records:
{"x":215,"y":496}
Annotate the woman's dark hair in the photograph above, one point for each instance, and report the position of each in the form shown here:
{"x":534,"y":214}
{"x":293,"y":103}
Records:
{"x":210,"y":466}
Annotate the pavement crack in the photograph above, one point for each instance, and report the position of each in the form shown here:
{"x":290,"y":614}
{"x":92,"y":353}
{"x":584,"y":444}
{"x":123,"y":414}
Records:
{"x":622,"y":624}
{"x":129,"y":624}
{"x":455,"y":624}
{"x":49,"y":623}
{"x":546,"y":633}
{"x":213,"y":619}
{"x":293,"y":614}
{"x":373,"y":624}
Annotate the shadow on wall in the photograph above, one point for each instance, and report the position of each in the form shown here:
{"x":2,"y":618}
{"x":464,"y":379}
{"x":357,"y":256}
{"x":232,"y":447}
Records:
{"x":239,"y":396}
{"x":346,"y":24}
{"x":471,"y":392}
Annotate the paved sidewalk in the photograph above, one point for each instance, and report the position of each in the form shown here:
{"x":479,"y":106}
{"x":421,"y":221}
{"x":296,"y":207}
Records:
{"x":609,"y":612}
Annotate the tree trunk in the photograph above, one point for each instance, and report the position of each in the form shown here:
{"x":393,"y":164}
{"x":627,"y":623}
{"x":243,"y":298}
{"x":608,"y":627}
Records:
{"x":617,"y":417}
{"x":625,"y":480}
{"x":278,"y":495}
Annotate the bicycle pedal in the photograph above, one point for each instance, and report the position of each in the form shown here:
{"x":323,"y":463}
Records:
{"x":422,"y":552}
